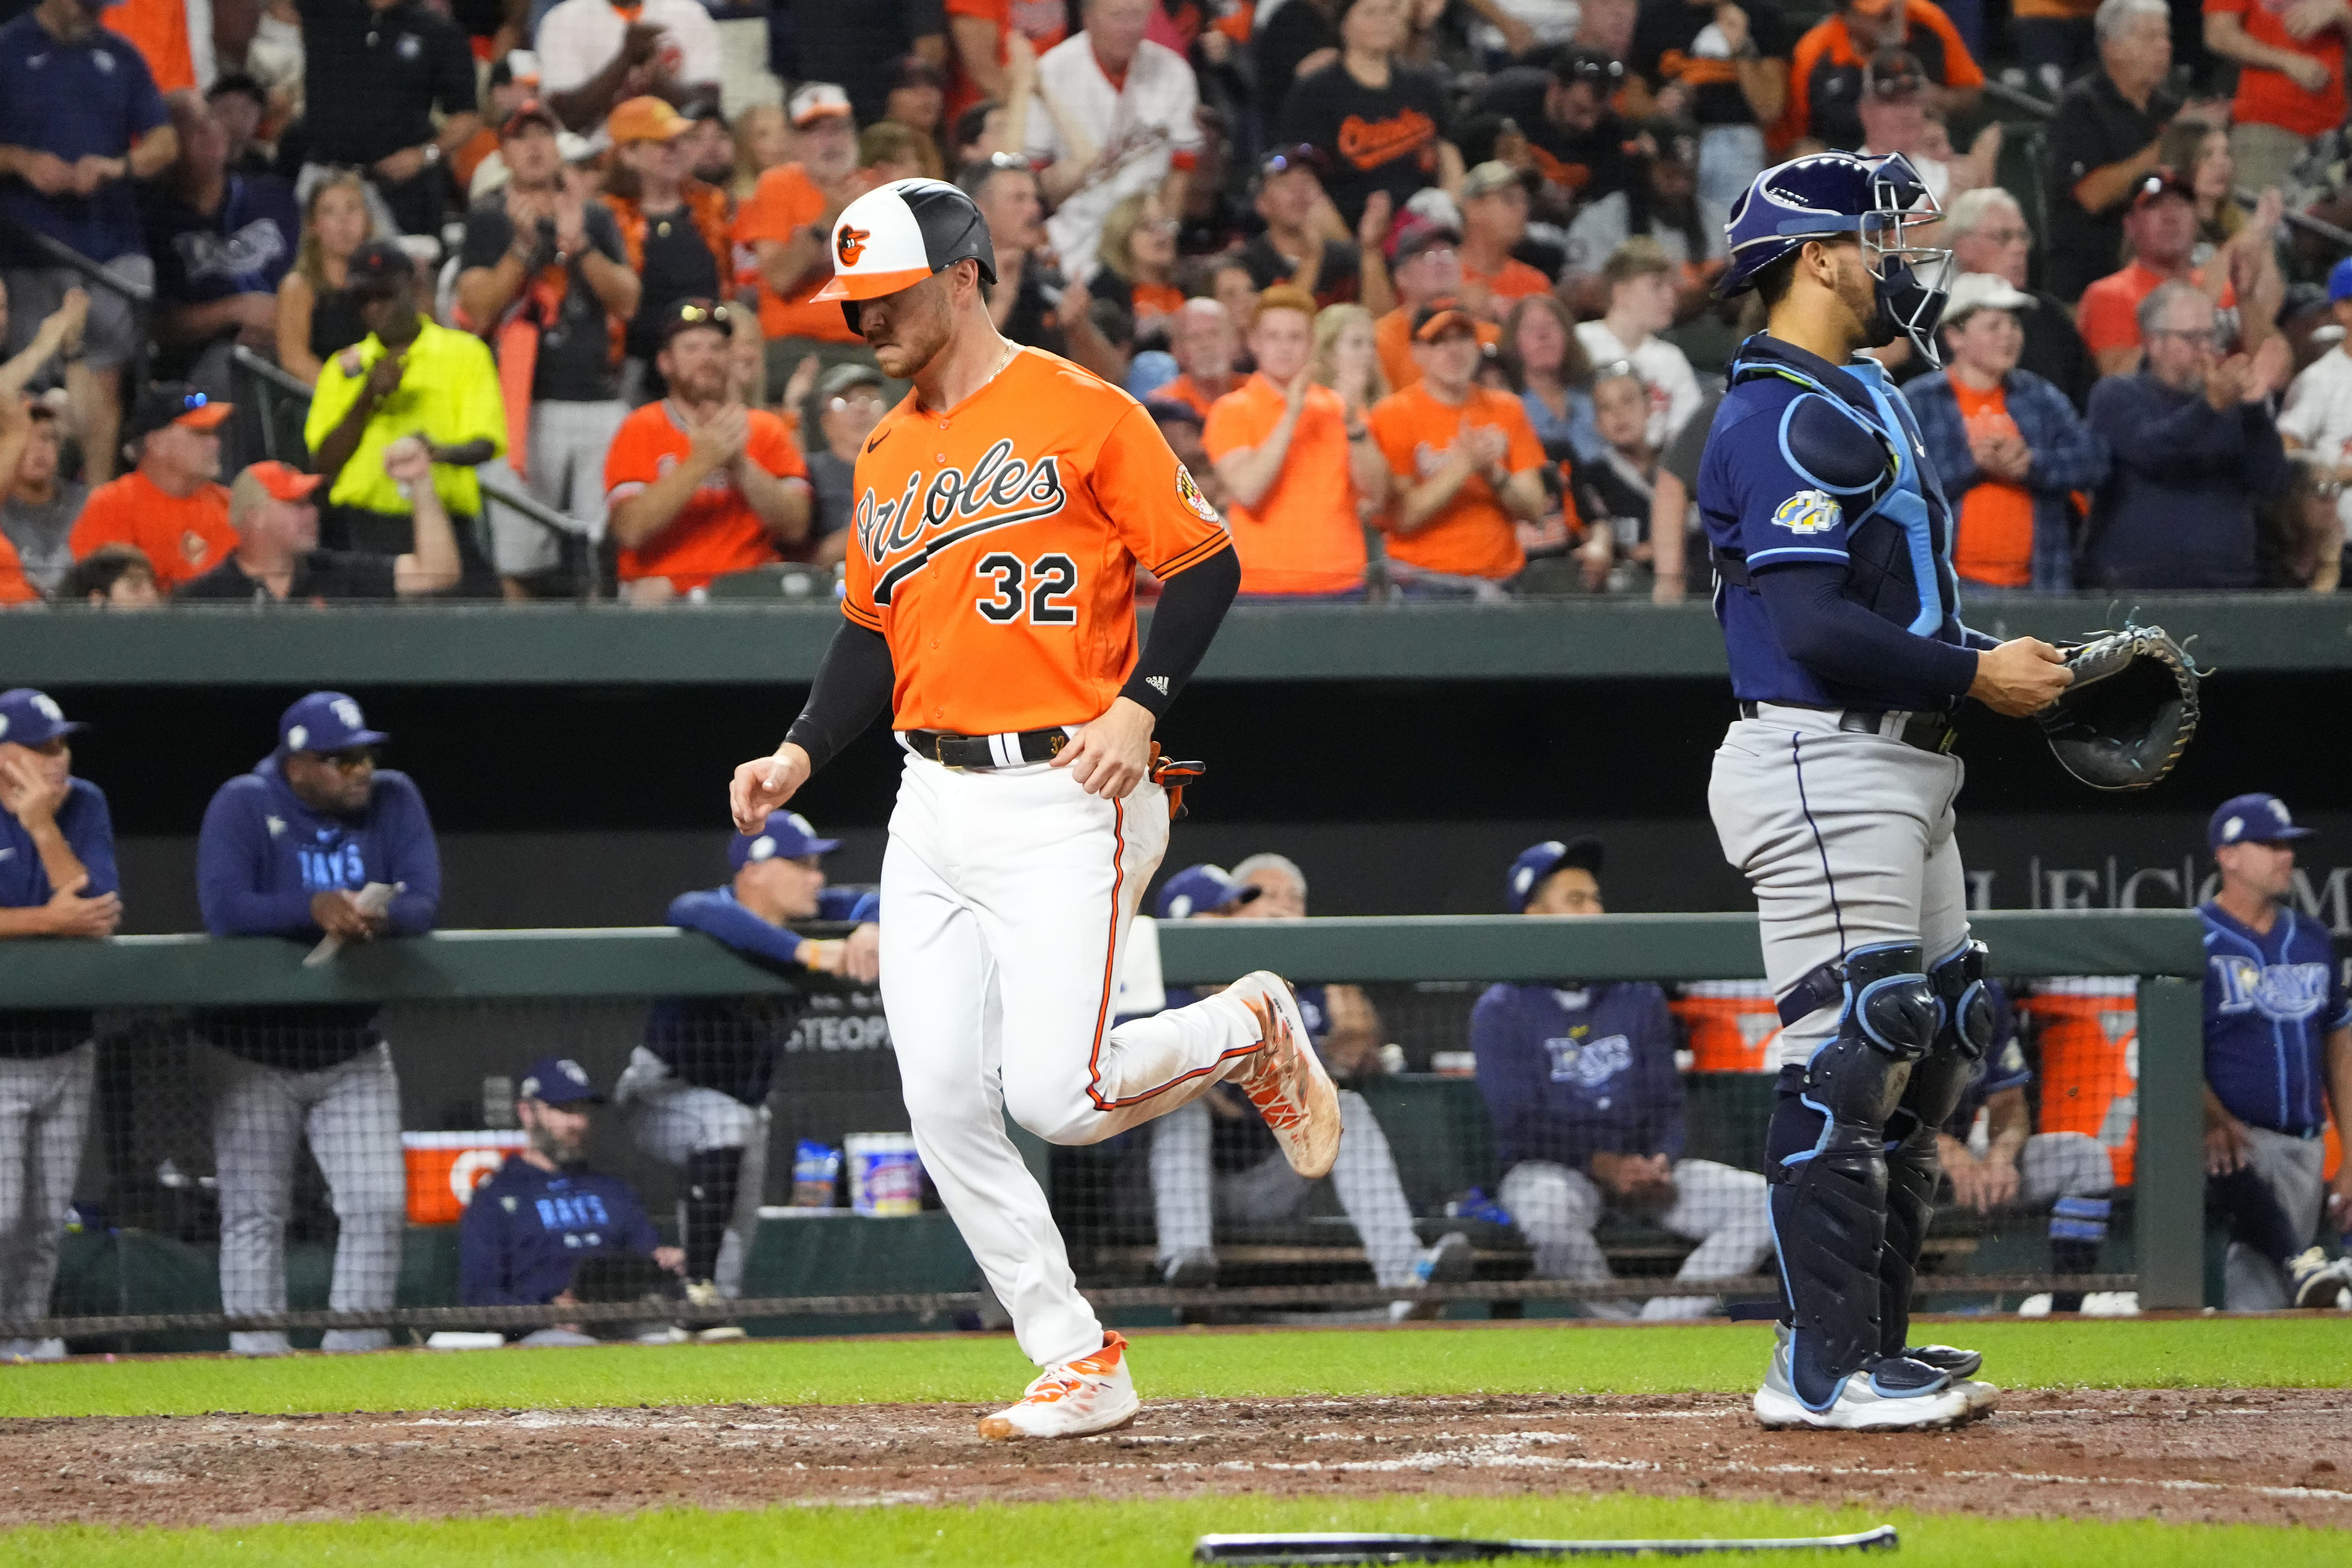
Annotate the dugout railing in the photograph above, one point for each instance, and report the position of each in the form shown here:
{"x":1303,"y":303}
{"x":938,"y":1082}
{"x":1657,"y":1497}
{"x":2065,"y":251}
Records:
{"x":466,"y":1008}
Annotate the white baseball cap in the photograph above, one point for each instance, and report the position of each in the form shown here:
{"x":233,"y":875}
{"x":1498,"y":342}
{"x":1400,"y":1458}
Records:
{"x":1979,"y":290}
{"x":815,"y":101}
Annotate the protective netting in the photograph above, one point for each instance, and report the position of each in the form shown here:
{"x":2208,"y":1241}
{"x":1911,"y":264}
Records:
{"x":313,"y":1171}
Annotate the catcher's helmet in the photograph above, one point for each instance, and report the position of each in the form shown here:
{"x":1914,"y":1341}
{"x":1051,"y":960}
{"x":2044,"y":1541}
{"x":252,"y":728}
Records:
{"x":1876,"y":199}
{"x":895,"y":235}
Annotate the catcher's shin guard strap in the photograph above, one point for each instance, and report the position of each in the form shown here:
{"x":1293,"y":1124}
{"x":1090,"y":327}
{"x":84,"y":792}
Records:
{"x":1828,"y":1211}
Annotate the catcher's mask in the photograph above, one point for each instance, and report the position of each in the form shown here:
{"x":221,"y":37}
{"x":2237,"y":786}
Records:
{"x":1881,"y":201}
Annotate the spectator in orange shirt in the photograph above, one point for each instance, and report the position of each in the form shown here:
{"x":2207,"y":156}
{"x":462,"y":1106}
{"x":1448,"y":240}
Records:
{"x":172,"y":506}
{"x":2290,"y":79}
{"x":698,"y":485}
{"x":1825,"y":69}
{"x":1200,"y":336}
{"x":1465,"y":466}
{"x":1493,"y":220}
{"x":2161,"y":231}
{"x":15,"y":589}
{"x":788,"y":223}
{"x":1425,"y":264}
{"x":1294,"y":464}
{"x":2009,"y":447}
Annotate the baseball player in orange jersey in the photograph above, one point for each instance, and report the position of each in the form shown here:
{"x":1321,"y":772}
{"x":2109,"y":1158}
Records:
{"x":1002,"y":510}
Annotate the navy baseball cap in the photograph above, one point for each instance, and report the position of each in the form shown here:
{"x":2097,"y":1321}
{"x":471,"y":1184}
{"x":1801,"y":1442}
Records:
{"x":2247,"y":819}
{"x":785,"y":836}
{"x":1202,"y":891}
{"x":326,"y":721}
{"x":1541,"y":860}
{"x":558,"y":1081}
{"x":2339,"y":281}
{"x":33,"y":718}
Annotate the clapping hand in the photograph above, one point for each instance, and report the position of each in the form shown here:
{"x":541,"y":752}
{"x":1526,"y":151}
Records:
{"x":802,"y":383}
{"x":719,"y":441}
{"x":409,"y":460}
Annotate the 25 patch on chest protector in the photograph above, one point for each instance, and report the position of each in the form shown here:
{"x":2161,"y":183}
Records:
{"x":1807,"y":512}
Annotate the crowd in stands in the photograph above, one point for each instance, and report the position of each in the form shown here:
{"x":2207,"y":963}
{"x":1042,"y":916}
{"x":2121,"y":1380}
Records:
{"x":1422,"y":287}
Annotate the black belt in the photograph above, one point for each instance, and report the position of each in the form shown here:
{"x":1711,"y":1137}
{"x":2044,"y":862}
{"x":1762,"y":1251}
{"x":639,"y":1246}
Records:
{"x":1926,"y":730}
{"x":953,"y":751}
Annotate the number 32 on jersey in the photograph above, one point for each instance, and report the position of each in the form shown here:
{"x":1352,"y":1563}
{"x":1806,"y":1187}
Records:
{"x":1046,"y":602}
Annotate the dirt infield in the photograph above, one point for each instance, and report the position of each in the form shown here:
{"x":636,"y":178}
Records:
{"x":2258,"y":1457}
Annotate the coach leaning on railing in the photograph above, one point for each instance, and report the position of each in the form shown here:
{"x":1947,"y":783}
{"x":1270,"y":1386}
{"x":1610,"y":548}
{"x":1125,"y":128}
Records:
{"x":57,"y":879}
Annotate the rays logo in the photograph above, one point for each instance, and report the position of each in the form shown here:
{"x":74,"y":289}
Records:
{"x":1588,"y":1064}
{"x":1808,"y":512}
{"x":2283,"y":993}
{"x":1001,"y":491}
{"x":850,"y":244}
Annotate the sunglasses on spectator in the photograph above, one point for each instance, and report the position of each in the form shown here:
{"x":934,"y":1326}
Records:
{"x":1597,"y":70}
{"x":717,"y":315}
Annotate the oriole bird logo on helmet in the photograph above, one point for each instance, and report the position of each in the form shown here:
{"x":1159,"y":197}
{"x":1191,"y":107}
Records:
{"x":895,"y":235}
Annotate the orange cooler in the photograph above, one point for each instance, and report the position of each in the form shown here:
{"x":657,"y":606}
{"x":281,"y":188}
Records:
{"x":2090,"y":1063}
{"x":444,"y":1169}
{"x":1732,"y":1024}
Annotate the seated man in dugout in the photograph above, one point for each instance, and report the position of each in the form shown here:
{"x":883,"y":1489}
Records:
{"x":1588,"y":1111}
{"x":1213,"y":1161}
{"x":546,"y":1230}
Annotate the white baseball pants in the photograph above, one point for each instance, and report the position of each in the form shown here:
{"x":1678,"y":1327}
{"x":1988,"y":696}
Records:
{"x":674,"y":1120}
{"x":1189,"y":1198}
{"x":351,"y":1114}
{"x":1847,"y":839}
{"x":1720,"y":1207}
{"x":1006,"y":896}
{"x":44,"y":1113}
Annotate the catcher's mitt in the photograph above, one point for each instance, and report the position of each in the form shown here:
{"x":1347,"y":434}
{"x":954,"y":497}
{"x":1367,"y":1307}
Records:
{"x":2128,"y":716}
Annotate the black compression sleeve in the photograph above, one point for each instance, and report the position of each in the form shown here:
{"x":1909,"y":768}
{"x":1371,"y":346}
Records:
{"x":1832,"y":636}
{"x":853,"y":684}
{"x":1191,"y":607}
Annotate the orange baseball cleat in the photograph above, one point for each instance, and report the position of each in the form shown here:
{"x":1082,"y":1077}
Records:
{"x":1285,"y":1080}
{"x":1092,"y":1394}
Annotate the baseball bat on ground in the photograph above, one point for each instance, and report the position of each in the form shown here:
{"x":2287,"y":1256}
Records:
{"x":1291,"y":1551}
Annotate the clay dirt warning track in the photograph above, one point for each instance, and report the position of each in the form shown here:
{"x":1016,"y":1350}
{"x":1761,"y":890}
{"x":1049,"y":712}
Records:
{"x":2258,"y":1456}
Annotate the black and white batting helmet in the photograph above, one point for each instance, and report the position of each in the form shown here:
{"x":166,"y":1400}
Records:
{"x":895,"y":235}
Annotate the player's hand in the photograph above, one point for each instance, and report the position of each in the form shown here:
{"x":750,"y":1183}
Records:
{"x":823,"y":957}
{"x":1109,"y":756}
{"x":862,"y":953}
{"x":338,"y":913}
{"x":2227,"y":1147}
{"x":2022,"y":676}
{"x":763,"y":784}
{"x":70,"y":914}
{"x":1983,"y":1185}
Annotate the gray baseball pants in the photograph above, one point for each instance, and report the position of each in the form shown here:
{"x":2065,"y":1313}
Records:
{"x":1847,"y":840}
{"x":351,"y":1114}
{"x":1720,"y":1207}
{"x":44,"y":1113}
{"x":1188,"y":1197}
{"x":673,"y":1121}
{"x":2290,"y":1166}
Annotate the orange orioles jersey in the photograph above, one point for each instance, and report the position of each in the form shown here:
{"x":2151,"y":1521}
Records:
{"x":994,"y":547}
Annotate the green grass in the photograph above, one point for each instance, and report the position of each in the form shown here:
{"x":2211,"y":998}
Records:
{"x":1103,"y":1534}
{"x":2309,"y":1352}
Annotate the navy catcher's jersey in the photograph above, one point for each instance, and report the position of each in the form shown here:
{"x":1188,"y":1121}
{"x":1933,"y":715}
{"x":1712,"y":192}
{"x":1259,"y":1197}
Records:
{"x":1785,"y":484}
{"x":2271,"y":1001}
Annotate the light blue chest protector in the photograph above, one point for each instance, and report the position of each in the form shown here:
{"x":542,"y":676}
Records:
{"x":1899,"y":496}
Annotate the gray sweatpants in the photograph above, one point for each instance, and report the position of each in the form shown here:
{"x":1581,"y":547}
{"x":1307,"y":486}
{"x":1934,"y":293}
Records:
{"x":567,"y":442}
{"x":351,"y":1114}
{"x":1720,"y":1208}
{"x":673,"y":1121}
{"x":2055,"y":1166}
{"x":2290,"y":1167}
{"x":43,"y":1112}
{"x":1188,"y":1197}
{"x":1847,"y":840}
